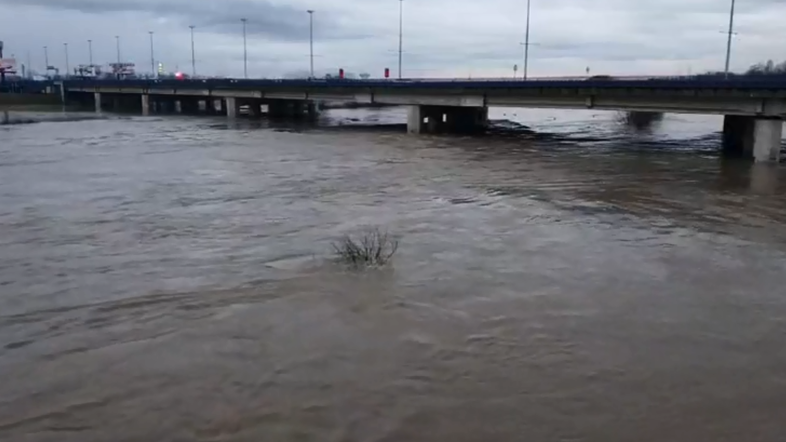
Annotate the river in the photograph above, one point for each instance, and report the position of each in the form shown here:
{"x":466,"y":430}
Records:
{"x":171,"y":279}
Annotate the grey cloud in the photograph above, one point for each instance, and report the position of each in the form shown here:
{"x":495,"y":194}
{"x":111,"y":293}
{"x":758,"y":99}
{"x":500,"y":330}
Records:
{"x":442,"y":37}
{"x":265,"y":19}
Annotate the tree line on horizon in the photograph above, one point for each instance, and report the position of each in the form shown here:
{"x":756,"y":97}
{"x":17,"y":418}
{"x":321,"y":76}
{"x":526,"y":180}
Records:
{"x":768,"y":68}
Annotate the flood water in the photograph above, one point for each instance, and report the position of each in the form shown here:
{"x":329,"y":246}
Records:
{"x":171,"y":279}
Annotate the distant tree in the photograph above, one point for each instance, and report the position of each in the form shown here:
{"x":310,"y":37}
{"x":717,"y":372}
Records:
{"x":767,"y":68}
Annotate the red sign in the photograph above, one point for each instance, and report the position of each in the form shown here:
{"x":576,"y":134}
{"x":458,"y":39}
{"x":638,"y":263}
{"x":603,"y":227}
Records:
{"x":387,"y":72}
{"x":341,"y":73}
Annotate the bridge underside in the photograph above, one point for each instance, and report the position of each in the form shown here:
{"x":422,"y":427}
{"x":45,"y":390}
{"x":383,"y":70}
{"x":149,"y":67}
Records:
{"x":446,"y":119}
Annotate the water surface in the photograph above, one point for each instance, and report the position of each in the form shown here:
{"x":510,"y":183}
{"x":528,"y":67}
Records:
{"x":169,"y":278}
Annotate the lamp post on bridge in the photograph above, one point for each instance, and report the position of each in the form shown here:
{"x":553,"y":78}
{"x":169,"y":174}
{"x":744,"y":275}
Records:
{"x":728,"y":43}
{"x":311,"y":39}
{"x":68,"y":68}
{"x":152,"y":56}
{"x":245,"y":50}
{"x":117,"y":37}
{"x":46,"y":61}
{"x":526,"y":42}
{"x":400,"y":34}
{"x":90,"y":52}
{"x":193,"y":58}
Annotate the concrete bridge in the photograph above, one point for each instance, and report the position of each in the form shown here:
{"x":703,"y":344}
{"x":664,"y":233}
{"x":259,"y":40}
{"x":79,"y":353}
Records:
{"x":755,"y":107}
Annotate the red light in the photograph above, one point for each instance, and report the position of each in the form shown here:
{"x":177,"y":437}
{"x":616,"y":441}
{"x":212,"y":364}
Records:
{"x":179,"y":75}
{"x":387,"y":72}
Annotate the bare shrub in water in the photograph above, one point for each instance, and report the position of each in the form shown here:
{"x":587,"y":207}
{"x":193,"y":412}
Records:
{"x":373,"y":248}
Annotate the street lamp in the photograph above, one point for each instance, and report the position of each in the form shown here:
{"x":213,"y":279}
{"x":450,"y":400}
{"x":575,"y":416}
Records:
{"x":68,"y":68}
{"x":193,"y":58}
{"x":117,"y":37}
{"x":245,"y":50}
{"x":46,"y":60}
{"x":526,"y":42}
{"x":400,"y":34}
{"x":152,"y":56}
{"x":90,"y":51}
{"x":731,"y":32}
{"x":311,"y":38}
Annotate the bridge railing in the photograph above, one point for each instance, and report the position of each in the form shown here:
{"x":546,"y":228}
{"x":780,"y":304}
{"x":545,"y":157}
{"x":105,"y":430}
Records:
{"x":596,"y":82}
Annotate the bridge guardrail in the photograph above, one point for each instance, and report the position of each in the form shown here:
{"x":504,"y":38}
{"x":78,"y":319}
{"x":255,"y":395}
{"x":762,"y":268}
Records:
{"x":654,"y":82}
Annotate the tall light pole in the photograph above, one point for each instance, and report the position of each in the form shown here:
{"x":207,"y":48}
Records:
{"x":117,"y":37}
{"x":46,"y":60}
{"x":731,"y":32}
{"x":152,"y":56}
{"x":245,"y":50}
{"x":68,"y":68}
{"x":193,"y":58}
{"x":400,"y":34}
{"x":311,"y":38}
{"x":526,"y":42}
{"x":90,"y":51}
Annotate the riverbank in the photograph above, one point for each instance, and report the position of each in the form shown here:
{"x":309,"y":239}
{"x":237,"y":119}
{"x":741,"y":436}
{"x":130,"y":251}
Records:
{"x":16,"y":100}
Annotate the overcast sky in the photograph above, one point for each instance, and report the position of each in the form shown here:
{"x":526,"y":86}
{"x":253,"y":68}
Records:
{"x":442,"y":38}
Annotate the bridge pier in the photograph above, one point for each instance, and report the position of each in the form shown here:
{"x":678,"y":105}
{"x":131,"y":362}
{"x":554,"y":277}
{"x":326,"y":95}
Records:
{"x":214,"y":106}
{"x":97,"y":98}
{"x":164,"y":105}
{"x":312,"y":109}
{"x":232,"y":107}
{"x":752,"y":137}
{"x":446,"y":119}
{"x":145,"y":104}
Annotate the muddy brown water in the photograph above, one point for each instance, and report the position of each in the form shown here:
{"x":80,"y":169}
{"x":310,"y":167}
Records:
{"x":169,"y":279}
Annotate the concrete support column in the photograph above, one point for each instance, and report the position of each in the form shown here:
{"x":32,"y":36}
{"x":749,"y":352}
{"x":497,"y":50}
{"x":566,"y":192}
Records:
{"x":298,"y":109}
{"x":145,"y":104}
{"x":751,"y":137}
{"x":232,"y":107}
{"x":208,"y":106}
{"x":254,"y":108}
{"x":767,"y":136}
{"x":161,"y":105}
{"x":312,"y":108}
{"x":97,"y":98}
{"x":737,"y":135}
{"x":415,"y":120}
